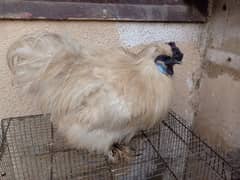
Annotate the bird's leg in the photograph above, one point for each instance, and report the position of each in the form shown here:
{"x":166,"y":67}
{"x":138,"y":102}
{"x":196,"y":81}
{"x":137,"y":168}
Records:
{"x":120,"y":152}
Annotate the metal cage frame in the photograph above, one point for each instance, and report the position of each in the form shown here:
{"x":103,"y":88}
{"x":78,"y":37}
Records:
{"x":31,"y":149}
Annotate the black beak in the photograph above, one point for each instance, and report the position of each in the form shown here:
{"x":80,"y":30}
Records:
{"x":177,"y":54}
{"x":177,"y":62}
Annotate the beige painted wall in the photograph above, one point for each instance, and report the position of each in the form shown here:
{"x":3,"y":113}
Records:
{"x":106,"y":34}
{"x":218,"y":119}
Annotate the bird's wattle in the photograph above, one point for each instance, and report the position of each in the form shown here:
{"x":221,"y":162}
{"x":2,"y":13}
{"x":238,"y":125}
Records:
{"x":162,"y":69}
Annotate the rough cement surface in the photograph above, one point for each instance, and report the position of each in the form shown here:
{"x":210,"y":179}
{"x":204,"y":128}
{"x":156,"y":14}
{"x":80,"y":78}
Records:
{"x":218,"y":118}
{"x":216,"y":70}
{"x":137,"y":33}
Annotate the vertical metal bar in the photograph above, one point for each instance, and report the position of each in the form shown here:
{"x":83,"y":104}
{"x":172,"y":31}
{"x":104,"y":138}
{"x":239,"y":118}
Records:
{"x":4,"y":137}
{"x":159,"y":156}
{"x":109,"y":168}
{"x":51,"y":152}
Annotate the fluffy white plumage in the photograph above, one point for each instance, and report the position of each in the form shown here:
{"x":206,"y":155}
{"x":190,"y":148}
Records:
{"x":96,"y":97}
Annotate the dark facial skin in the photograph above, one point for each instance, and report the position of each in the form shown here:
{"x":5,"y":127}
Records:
{"x":170,"y":61}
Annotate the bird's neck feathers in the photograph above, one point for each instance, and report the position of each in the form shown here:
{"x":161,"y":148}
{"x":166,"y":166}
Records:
{"x":147,"y":64}
{"x":151,"y":93}
{"x":149,"y":69}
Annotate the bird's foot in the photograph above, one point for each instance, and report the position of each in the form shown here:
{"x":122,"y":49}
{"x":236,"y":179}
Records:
{"x":119,"y":153}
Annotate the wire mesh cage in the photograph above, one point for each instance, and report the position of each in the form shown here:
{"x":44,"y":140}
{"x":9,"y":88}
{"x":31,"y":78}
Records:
{"x":31,"y":149}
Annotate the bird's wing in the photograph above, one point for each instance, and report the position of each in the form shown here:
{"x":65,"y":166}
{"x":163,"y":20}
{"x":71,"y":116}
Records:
{"x":88,"y":91}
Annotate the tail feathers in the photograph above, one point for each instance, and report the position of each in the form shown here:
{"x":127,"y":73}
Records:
{"x":29,"y":57}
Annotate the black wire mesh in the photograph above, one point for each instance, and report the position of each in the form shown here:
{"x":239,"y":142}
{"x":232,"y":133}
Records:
{"x":31,"y":149}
